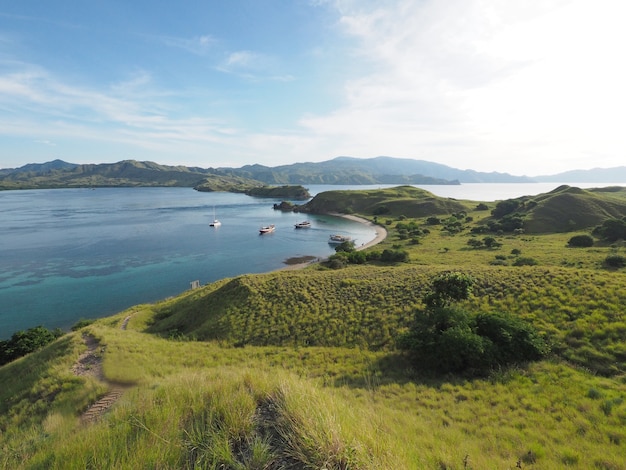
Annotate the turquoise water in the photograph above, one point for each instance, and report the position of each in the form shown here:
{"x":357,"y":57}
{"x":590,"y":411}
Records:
{"x":68,"y":254}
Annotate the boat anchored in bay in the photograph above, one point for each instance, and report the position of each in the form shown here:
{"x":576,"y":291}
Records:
{"x":267,"y":229}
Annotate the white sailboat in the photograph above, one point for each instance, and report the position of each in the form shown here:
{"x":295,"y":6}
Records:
{"x":215,"y":223}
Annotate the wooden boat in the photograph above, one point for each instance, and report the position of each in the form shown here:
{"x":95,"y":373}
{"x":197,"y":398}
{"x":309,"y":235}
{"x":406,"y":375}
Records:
{"x":338,"y":239}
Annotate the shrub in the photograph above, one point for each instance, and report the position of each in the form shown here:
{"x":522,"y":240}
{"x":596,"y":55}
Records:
{"x":505,"y":207}
{"x":513,"y":339}
{"x":26,"y":341}
{"x":491,"y":242}
{"x":83,"y":322}
{"x":474,"y":243}
{"x":614,"y":261}
{"x":346,"y":246}
{"x":524,"y":261}
{"x":612,"y":230}
{"x":394,"y":256}
{"x":580,"y":241}
{"x":445,"y":339}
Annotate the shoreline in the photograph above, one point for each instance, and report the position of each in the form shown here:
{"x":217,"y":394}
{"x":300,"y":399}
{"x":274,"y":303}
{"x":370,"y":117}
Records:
{"x":381,"y":234}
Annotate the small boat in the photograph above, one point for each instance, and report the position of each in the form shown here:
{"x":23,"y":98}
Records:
{"x":303,"y":224}
{"x":267,"y":229}
{"x":339,"y":239}
{"x":215,"y":223}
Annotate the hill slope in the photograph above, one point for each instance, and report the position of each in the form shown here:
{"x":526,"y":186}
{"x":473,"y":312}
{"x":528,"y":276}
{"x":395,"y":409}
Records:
{"x":125,"y":173}
{"x":191,"y":404}
{"x":567,"y":208}
{"x":378,"y":170}
{"x":401,"y":200}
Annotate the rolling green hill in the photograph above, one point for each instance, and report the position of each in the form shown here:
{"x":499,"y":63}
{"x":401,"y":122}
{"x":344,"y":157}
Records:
{"x":569,"y":208}
{"x":124,"y":173}
{"x":402,"y":200}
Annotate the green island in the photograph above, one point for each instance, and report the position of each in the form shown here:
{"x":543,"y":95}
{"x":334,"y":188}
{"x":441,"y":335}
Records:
{"x":476,"y":335}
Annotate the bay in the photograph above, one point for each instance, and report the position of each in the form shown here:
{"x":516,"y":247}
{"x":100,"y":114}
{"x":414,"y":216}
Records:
{"x":67,"y":254}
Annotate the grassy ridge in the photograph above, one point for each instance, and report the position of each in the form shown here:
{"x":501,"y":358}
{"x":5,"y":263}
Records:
{"x":580,"y":312}
{"x":401,"y":200}
{"x":567,"y":208}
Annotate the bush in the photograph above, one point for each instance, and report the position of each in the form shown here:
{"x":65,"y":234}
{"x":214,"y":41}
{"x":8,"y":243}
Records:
{"x":524,"y":261}
{"x":513,"y":339}
{"x":580,"y":241}
{"x":615,"y":261}
{"x":612,"y":230}
{"x":445,"y":339}
{"x":394,"y":256}
{"x":26,"y":341}
{"x":505,"y":208}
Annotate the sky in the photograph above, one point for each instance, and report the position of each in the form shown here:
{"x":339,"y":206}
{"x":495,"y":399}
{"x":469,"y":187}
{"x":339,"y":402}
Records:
{"x":531,"y":87}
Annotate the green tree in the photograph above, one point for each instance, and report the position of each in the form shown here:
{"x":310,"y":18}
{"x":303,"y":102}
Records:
{"x":445,"y":339}
{"x":26,"y":341}
{"x":447,"y":288}
{"x":504,"y":208}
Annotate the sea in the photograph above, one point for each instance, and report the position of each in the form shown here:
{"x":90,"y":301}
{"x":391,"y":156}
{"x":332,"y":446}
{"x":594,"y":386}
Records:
{"x":72,"y":254}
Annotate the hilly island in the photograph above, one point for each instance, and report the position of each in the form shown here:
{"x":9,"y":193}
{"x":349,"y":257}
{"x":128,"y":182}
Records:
{"x":340,"y":170}
{"x":476,"y":335}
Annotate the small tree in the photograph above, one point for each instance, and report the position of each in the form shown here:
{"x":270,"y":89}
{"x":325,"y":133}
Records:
{"x":447,"y":288}
{"x":446,"y":339}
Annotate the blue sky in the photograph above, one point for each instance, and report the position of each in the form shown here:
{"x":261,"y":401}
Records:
{"x":533,"y":87}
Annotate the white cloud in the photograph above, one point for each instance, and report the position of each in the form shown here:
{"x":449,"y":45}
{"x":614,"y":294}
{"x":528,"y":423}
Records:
{"x":484,"y":83}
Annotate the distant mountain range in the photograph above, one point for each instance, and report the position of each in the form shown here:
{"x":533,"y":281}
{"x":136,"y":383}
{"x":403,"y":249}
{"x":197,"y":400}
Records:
{"x":340,"y":170}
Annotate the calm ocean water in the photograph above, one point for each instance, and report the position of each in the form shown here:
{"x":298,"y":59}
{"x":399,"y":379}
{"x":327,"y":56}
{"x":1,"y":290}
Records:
{"x":68,"y":254}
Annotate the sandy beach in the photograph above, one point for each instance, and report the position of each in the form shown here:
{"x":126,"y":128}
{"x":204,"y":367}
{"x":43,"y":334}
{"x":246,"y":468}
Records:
{"x":381,"y":234}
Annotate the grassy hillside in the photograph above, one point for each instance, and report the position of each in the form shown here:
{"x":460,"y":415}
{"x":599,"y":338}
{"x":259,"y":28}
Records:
{"x":580,"y":312}
{"x":569,"y":208}
{"x":300,"y":369}
{"x":124,"y":173}
{"x":399,"y":201}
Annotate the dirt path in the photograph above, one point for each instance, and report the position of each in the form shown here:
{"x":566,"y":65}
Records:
{"x":89,"y":364}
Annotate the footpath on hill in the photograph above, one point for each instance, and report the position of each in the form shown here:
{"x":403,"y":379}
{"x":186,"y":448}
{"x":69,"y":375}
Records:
{"x":89,"y":363}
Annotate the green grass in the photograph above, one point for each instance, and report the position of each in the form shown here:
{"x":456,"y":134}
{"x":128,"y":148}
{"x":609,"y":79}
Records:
{"x":299,"y":369}
{"x":206,"y":405}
